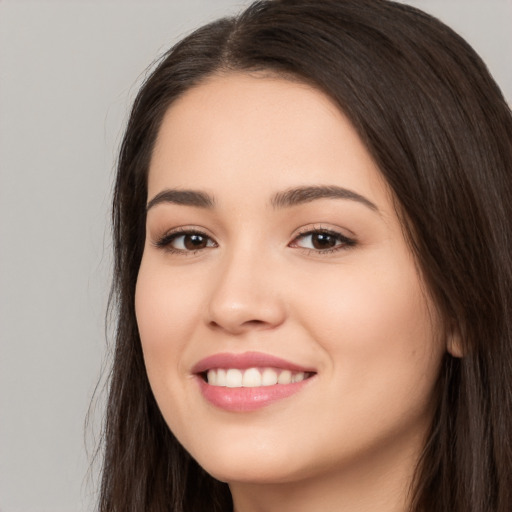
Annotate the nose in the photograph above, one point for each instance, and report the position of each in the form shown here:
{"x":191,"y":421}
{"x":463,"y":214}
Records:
{"x":246,"y":294}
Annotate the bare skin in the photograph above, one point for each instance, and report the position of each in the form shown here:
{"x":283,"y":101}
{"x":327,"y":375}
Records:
{"x":325,"y":282}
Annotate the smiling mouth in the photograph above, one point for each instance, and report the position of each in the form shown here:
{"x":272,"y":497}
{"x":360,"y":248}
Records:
{"x":252,"y":377}
{"x":249,"y":381}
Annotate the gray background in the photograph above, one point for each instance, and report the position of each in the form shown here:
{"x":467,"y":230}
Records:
{"x":68,"y":73}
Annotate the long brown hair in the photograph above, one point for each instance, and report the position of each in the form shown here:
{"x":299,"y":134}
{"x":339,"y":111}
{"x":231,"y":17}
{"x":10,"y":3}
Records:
{"x":441,"y":133}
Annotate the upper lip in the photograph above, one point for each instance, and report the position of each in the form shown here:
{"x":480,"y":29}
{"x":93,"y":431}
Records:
{"x":246,"y":360}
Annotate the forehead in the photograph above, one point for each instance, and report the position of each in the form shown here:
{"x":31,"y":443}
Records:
{"x":258,"y":131}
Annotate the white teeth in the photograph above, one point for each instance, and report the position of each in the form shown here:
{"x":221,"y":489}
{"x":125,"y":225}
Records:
{"x":269,"y":377}
{"x":233,"y":378}
{"x":298,"y":377}
{"x":212,"y":377}
{"x":252,"y":377}
{"x":221,"y":377}
{"x":285,"y":377}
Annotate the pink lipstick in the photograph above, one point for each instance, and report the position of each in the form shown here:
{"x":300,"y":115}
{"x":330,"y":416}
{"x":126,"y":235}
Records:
{"x":249,"y":381}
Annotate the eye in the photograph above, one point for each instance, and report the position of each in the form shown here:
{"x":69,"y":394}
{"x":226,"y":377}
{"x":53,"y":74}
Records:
{"x":321,"y":240}
{"x":186,"y":241}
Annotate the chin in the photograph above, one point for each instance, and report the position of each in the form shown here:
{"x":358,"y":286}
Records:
{"x":250,"y":473}
{"x":256,"y":464}
{"x":228,"y":457}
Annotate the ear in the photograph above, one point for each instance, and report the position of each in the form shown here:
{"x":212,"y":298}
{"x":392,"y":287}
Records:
{"x":454,"y":345}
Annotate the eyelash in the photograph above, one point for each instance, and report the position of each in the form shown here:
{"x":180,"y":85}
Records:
{"x":343,"y":242}
{"x":166,"y":241}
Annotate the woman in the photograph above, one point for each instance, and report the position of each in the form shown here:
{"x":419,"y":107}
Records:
{"x":312,"y":232}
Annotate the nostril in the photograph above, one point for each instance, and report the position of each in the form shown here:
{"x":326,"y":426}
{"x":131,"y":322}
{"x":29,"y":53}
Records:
{"x":254,"y":323}
{"x":247,"y":325}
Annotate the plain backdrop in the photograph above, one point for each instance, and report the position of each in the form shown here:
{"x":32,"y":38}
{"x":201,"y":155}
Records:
{"x":68,"y":73}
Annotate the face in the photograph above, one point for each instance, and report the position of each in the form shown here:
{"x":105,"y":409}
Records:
{"x":286,"y":331}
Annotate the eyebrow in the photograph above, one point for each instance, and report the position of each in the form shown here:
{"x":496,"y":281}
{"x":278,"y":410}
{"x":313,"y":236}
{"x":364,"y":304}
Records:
{"x":285,"y":199}
{"x":300,"y":195}
{"x":183,"y":197}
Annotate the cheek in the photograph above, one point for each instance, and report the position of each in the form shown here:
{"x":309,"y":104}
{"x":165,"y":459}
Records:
{"x":167,"y":311}
{"x":377,"y":328}
{"x":359,"y":299}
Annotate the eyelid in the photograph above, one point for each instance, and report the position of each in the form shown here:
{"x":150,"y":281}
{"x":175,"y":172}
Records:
{"x":346,"y":241}
{"x":164,"y":241}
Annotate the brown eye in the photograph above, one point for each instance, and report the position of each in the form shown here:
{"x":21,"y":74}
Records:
{"x":194,"y":241}
{"x":322,"y":241}
{"x":186,"y":241}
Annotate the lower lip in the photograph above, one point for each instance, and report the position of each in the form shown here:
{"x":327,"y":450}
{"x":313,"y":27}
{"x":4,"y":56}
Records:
{"x":248,"y":399}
